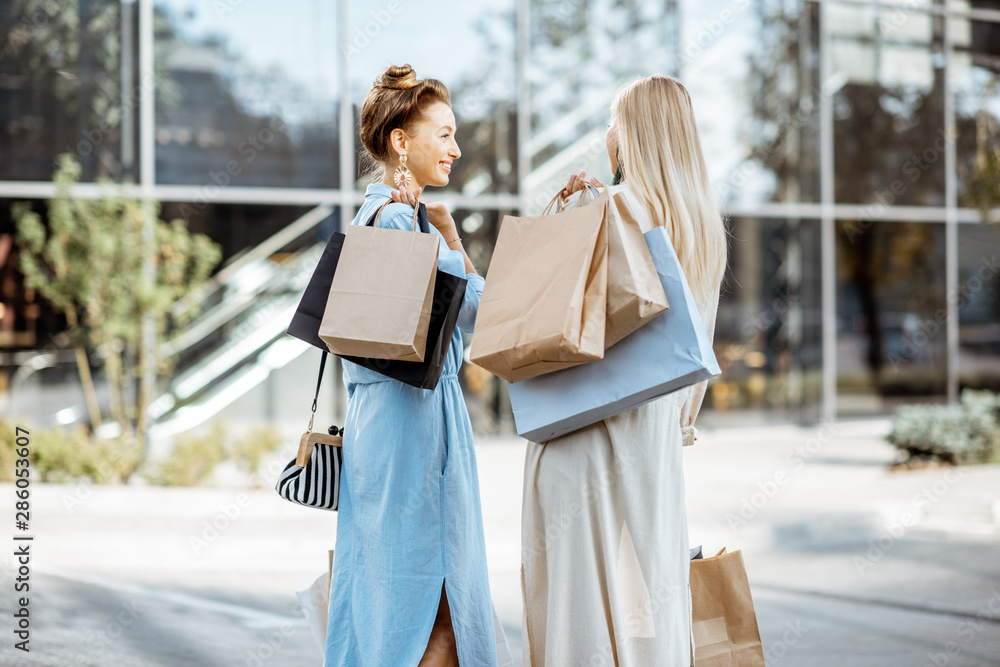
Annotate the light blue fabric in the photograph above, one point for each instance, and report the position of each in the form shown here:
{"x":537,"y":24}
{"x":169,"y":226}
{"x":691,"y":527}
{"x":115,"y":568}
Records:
{"x":410,"y":515}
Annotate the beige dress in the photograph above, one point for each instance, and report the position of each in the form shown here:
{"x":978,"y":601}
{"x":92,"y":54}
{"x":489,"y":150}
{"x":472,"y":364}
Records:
{"x":604,"y":538}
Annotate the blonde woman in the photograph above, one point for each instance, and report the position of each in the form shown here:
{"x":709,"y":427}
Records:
{"x":604,"y":553}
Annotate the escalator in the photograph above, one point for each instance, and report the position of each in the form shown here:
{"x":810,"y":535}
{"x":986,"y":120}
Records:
{"x":239,"y":337}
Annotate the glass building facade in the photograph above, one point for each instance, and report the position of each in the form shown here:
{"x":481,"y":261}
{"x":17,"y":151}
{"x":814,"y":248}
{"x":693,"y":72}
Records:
{"x":854,"y":148}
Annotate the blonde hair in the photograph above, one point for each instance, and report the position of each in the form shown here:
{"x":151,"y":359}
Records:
{"x":661,"y":158}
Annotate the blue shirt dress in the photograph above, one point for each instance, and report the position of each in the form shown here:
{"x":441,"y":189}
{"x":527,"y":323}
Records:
{"x":409,"y":515}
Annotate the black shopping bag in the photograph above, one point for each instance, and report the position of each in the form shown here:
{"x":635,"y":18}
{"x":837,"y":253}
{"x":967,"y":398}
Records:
{"x":449,"y":291}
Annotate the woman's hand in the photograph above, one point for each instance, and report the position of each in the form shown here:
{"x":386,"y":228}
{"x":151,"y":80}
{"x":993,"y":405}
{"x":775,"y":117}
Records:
{"x":578,"y":182}
{"x":410,"y":197}
{"x":438,"y":215}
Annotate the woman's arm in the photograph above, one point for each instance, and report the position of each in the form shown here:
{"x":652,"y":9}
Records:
{"x":438,"y":215}
{"x":452,"y":258}
{"x":456,"y":244}
{"x":470,"y":305}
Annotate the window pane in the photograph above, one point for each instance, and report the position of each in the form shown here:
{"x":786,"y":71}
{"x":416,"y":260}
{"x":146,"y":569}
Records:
{"x":979,"y":306}
{"x":890,"y":314}
{"x":976,"y":82}
{"x":768,"y":330}
{"x":61,"y":88}
{"x":753,"y":75}
{"x":250,"y":94}
{"x":577,"y":60}
{"x":239,"y":227}
{"x":888,"y":112}
{"x":24,"y":314}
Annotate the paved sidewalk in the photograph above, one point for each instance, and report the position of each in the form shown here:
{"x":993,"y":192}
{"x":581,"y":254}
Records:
{"x":871,"y":567}
{"x":851,"y":564}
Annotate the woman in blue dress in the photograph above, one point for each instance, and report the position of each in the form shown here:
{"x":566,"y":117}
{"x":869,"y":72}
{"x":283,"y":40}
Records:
{"x":410,"y":582}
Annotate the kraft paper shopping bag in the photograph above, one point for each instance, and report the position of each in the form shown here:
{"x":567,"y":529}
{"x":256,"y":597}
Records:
{"x":381,"y":296}
{"x":669,"y":353}
{"x":545,"y":298}
{"x":635,"y":295}
{"x":449,"y":293}
{"x":725,"y":623}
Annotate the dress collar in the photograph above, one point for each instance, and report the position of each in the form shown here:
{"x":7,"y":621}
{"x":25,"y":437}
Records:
{"x":379,"y":189}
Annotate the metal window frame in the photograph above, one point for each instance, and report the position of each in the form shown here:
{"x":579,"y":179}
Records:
{"x":828,"y":241}
{"x":972,"y":13}
{"x":318,"y":197}
{"x":346,"y":196}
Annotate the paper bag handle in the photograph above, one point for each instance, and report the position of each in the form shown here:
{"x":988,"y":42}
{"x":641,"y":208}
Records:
{"x":378,"y":214}
{"x":558,"y":199}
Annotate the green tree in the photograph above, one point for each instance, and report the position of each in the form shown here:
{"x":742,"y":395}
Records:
{"x":88,"y":261}
{"x":984,"y":186}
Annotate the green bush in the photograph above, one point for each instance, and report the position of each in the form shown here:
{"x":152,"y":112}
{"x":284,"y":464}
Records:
{"x":964,"y":433}
{"x":247,"y":451}
{"x":8,"y":445}
{"x":64,"y":455}
{"x":59,"y":454}
{"x":192,"y":459}
{"x":195,"y":456}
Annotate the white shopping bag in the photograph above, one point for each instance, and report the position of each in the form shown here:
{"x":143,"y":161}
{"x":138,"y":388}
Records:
{"x":314,"y":598}
{"x":670,"y":352}
{"x":504,"y":656}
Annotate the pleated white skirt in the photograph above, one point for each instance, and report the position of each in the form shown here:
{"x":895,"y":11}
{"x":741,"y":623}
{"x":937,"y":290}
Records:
{"x":604,"y":544}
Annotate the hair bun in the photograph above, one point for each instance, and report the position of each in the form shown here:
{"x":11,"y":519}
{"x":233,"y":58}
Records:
{"x":397,"y":77}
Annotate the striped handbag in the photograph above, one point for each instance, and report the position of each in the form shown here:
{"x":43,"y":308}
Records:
{"x":313,"y":478}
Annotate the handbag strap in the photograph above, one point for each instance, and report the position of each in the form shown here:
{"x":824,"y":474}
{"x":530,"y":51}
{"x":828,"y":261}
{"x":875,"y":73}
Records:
{"x":319,"y":381}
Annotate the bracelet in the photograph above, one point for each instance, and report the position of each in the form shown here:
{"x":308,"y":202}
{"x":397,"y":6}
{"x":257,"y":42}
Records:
{"x":452,"y":241}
